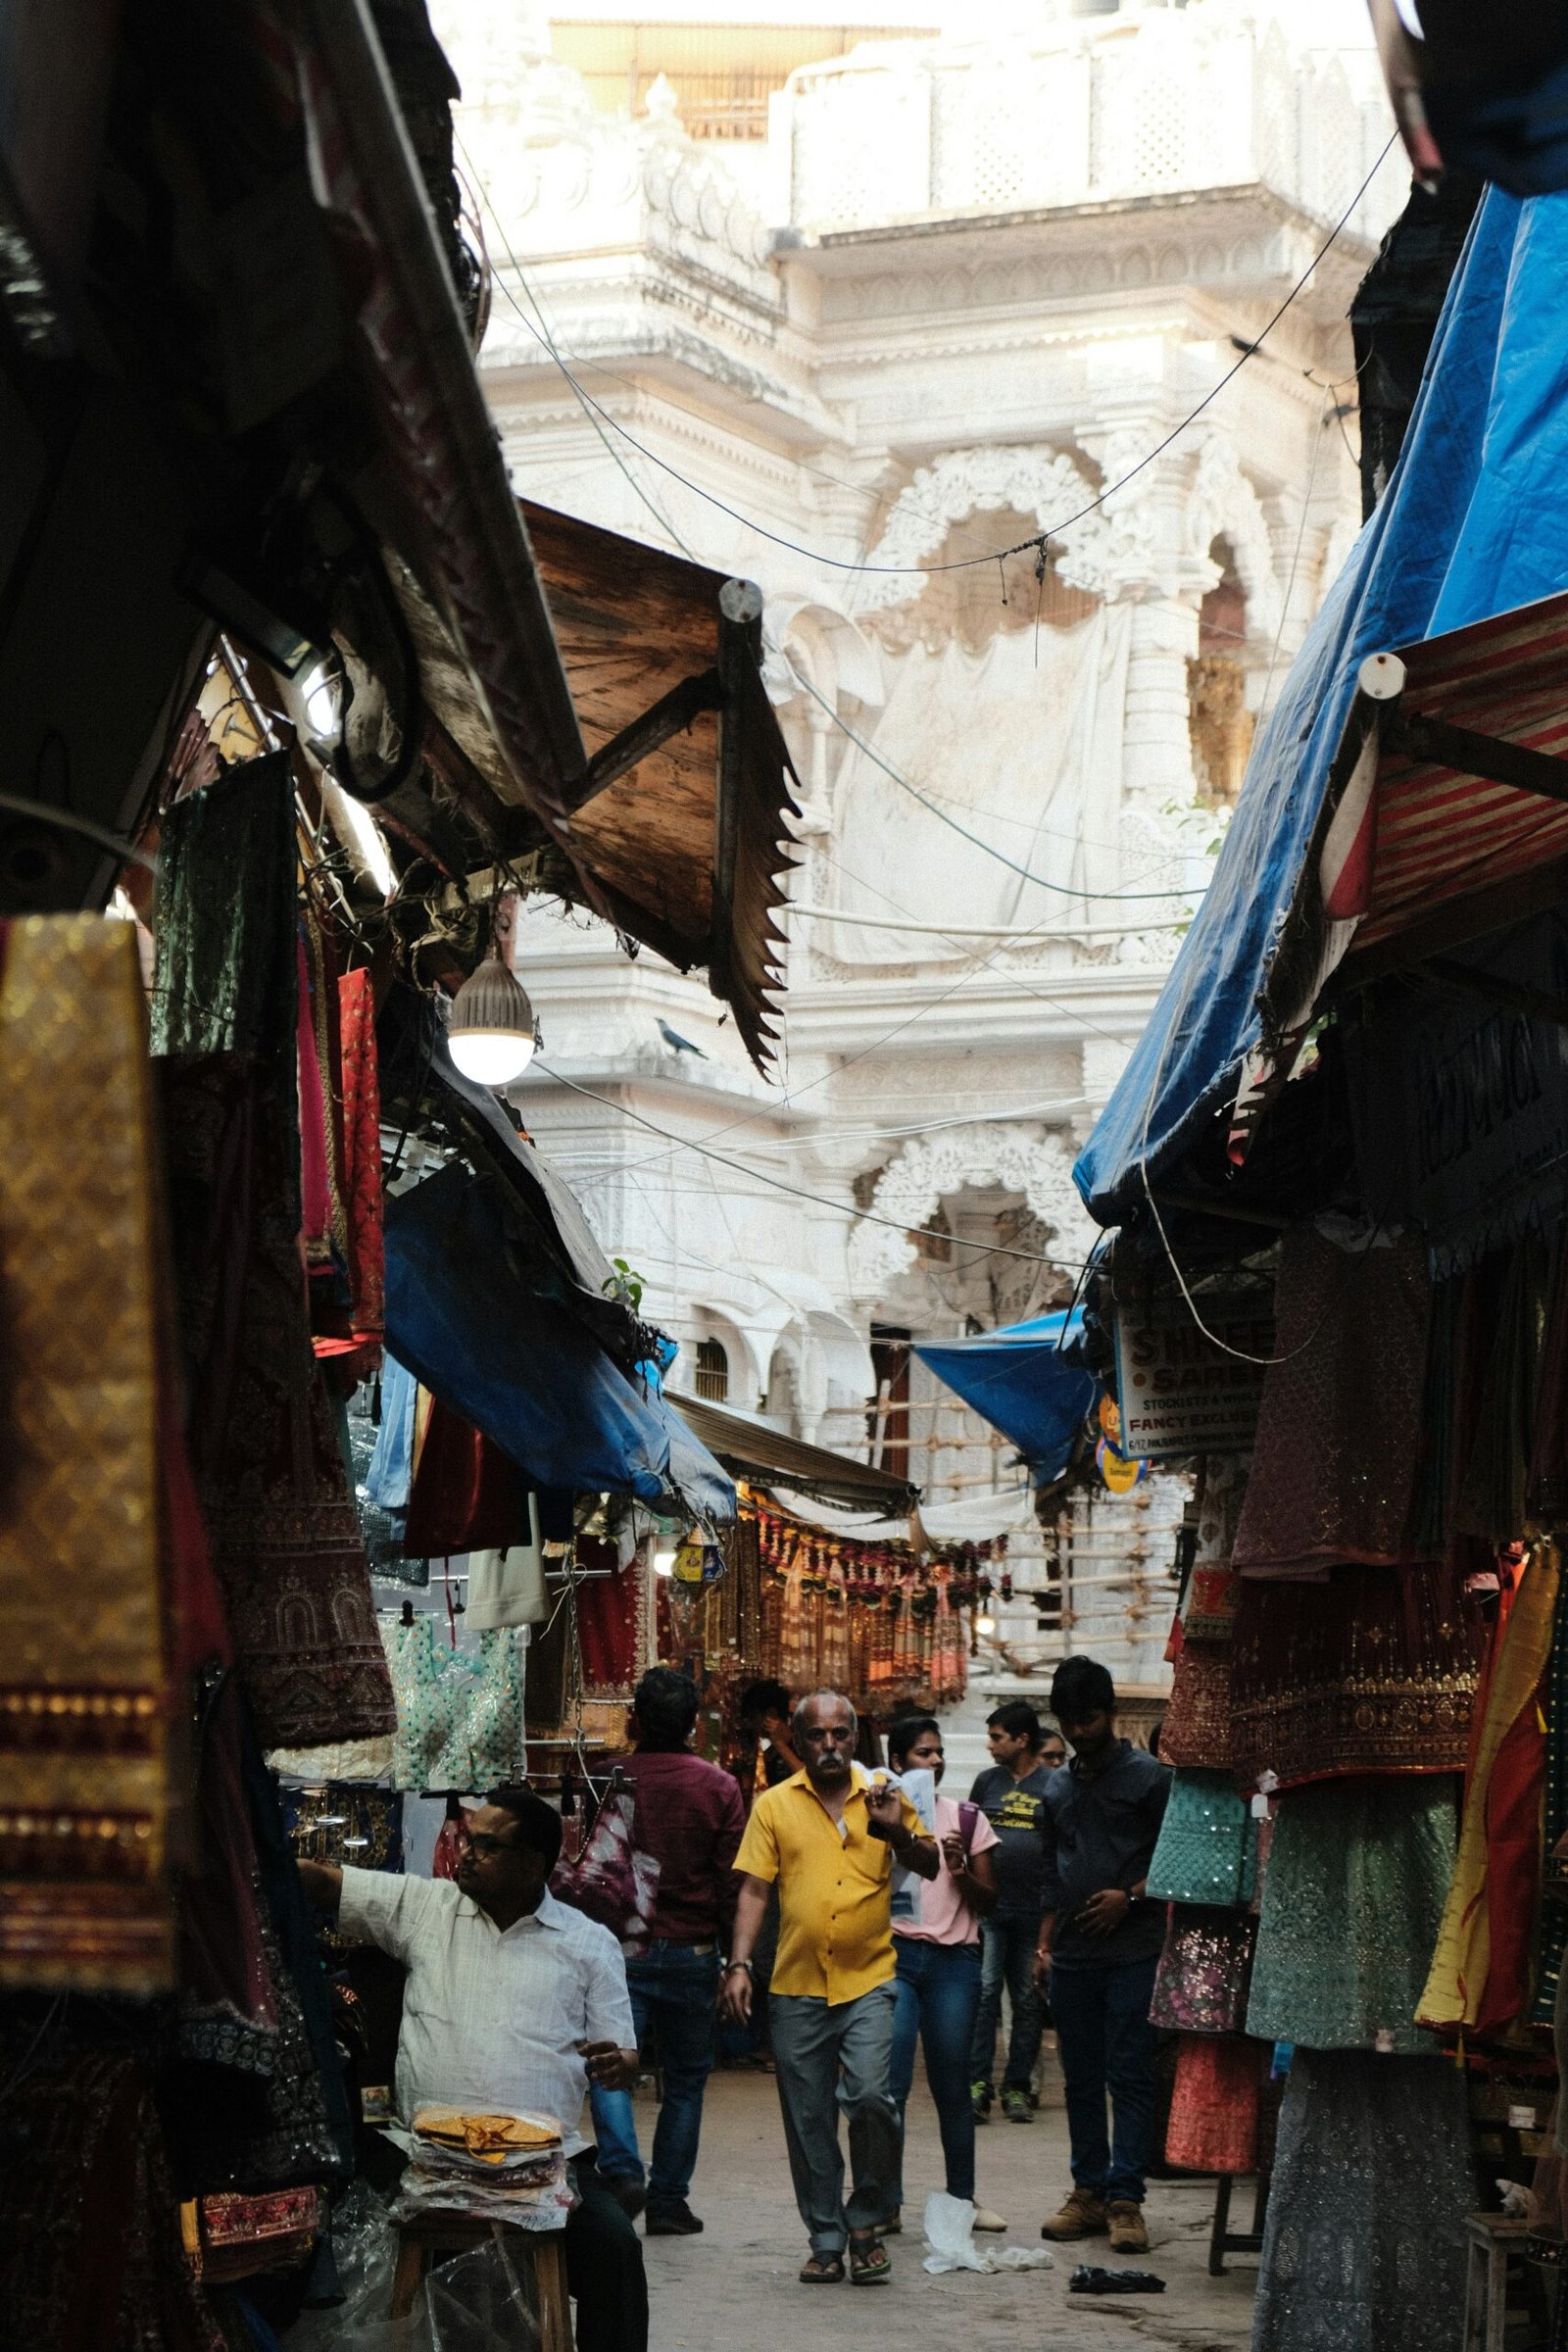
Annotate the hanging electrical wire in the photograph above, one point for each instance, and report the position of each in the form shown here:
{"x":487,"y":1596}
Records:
{"x":1037,"y":540}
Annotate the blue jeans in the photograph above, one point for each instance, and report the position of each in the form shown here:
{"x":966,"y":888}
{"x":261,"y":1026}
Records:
{"x":1007,"y":1956}
{"x":1108,"y":2046}
{"x":619,"y":2158}
{"x":673,"y":1990}
{"x":938,"y":1993}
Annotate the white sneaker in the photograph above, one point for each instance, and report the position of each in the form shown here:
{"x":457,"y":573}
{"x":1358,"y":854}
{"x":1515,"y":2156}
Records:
{"x":985,"y":2218}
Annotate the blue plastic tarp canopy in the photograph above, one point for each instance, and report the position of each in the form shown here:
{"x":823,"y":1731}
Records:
{"x":1025,"y":1379}
{"x":1474,"y":522}
{"x":467,"y":1313}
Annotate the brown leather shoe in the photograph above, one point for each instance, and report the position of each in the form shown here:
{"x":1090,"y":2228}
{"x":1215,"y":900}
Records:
{"x":1083,"y":2216}
{"x":1126,"y":2222}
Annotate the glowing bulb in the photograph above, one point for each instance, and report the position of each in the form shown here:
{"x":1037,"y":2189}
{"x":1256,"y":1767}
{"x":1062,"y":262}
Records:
{"x":490,"y":1029}
{"x":319,"y":689}
{"x":985,"y":1625}
{"x":664,"y":1563}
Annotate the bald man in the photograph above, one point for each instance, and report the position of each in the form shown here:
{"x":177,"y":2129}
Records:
{"x":828,"y":1838}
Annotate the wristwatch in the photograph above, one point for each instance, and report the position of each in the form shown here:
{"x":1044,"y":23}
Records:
{"x":730,"y":1966}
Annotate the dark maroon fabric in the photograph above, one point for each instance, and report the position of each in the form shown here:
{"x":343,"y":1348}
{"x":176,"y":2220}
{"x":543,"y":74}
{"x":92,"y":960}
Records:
{"x":468,"y":1496}
{"x":690,"y":1819}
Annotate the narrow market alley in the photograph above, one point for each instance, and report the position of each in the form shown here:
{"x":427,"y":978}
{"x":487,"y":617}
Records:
{"x":709,"y":2293}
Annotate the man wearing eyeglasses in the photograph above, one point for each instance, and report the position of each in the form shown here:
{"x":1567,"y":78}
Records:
{"x":513,"y":2001}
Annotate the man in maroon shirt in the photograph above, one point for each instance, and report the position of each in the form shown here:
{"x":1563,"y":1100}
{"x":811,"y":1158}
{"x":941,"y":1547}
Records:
{"x":689,"y":1819}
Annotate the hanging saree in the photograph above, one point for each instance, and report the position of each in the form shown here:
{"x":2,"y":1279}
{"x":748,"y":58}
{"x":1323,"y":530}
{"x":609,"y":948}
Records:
{"x":1364,"y":2244}
{"x":465,"y":1496}
{"x":270,"y":1469}
{"x":611,"y":1632}
{"x":90,"y":2257}
{"x":1553,"y":1931}
{"x":1198,"y":1730}
{"x":224,"y":980}
{"x":1204,"y":1969}
{"x":1340,"y":1422}
{"x":1221,"y":2085}
{"x":1502,"y":1825}
{"x":87,"y":1772}
{"x":1373,"y":1670}
{"x":1357,"y":1877}
{"x":1207,"y":1851}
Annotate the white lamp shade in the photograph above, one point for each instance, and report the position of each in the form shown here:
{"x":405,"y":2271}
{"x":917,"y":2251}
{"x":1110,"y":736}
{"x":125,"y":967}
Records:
{"x":490,"y":1032}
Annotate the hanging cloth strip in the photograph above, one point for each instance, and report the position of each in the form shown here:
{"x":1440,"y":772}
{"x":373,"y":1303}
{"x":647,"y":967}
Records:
{"x":507,"y":1588}
{"x":361,"y":1166}
{"x":1501,"y":1821}
{"x":85,"y":1763}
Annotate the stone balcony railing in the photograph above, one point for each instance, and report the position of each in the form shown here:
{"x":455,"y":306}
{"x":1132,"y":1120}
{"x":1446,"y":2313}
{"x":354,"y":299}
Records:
{"x":1086,"y":110}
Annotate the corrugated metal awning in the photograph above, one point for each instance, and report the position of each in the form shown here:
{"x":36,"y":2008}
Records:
{"x":755,"y":1450}
{"x":1458,"y":779}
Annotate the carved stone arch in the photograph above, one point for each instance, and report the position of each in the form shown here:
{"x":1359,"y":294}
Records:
{"x":1030,"y":481}
{"x":1225,"y":505}
{"x":912,"y":1188}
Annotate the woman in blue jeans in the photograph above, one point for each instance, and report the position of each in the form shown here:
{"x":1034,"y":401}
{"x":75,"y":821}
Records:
{"x":937,"y":1957}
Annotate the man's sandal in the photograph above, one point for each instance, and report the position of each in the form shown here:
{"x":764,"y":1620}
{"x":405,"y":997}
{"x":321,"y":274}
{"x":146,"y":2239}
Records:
{"x":824,"y":2270}
{"x":868,"y":2260}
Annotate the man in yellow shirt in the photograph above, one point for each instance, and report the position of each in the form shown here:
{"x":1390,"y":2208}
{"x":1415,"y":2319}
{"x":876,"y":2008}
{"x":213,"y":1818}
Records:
{"x":829,"y":1836}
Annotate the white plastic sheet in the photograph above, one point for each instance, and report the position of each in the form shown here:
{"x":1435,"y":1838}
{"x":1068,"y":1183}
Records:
{"x":950,"y":2237}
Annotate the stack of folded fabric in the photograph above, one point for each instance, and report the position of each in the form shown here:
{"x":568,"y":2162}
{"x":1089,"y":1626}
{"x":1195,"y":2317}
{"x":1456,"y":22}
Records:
{"x":229,"y":2237}
{"x":495,"y":2166}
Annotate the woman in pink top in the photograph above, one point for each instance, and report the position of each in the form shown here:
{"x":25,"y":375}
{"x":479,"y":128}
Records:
{"x":937,"y":1956}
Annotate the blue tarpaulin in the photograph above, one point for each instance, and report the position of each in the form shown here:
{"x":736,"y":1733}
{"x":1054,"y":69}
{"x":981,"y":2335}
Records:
{"x":1026,"y":1381}
{"x":467,"y":1313}
{"x":1474,"y":522}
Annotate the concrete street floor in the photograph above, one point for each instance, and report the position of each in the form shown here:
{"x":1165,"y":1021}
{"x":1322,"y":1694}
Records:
{"x":736,"y":2284}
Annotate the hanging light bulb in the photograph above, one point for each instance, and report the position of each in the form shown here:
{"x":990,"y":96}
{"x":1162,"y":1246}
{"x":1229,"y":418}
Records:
{"x":664,"y":1563}
{"x":490,"y":1028}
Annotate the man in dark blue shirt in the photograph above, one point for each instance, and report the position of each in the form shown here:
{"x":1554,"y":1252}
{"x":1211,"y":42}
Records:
{"x":1099,"y":1939}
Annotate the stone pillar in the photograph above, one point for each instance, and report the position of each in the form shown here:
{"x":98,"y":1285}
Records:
{"x":1157,"y":747}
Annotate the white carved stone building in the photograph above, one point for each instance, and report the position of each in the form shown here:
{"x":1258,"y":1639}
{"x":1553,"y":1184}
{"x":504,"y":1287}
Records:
{"x":967,"y":283}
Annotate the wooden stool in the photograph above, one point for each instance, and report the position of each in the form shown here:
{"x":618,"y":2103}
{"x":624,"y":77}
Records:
{"x":1223,"y":2240}
{"x":1489,"y":2239}
{"x":543,"y":2251}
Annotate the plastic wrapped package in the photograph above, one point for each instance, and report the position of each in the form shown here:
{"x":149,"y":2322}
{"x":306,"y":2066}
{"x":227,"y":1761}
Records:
{"x":480,"y":2301}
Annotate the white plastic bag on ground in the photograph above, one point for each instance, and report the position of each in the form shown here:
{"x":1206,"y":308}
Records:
{"x":949,"y":2235}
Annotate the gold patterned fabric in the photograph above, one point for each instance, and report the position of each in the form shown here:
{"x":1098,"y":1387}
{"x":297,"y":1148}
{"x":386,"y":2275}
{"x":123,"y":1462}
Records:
{"x":85,"y":1716}
{"x":1373,"y":1670}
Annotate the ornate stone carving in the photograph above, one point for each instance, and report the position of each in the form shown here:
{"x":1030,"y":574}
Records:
{"x":1033,"y":482}
{"x":1224,"y":504}
{"x":911,"y":1189}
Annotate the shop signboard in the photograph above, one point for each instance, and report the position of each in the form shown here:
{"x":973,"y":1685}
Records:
{"x":1180,"y":1393}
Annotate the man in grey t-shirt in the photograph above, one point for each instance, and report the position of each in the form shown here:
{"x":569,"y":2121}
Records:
{"x":1010,"y":1792}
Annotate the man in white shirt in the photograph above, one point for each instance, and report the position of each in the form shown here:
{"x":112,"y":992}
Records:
{"x":513,"y":2000}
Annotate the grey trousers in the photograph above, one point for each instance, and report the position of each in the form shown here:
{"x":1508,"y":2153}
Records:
{"x":813,"y":2047}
